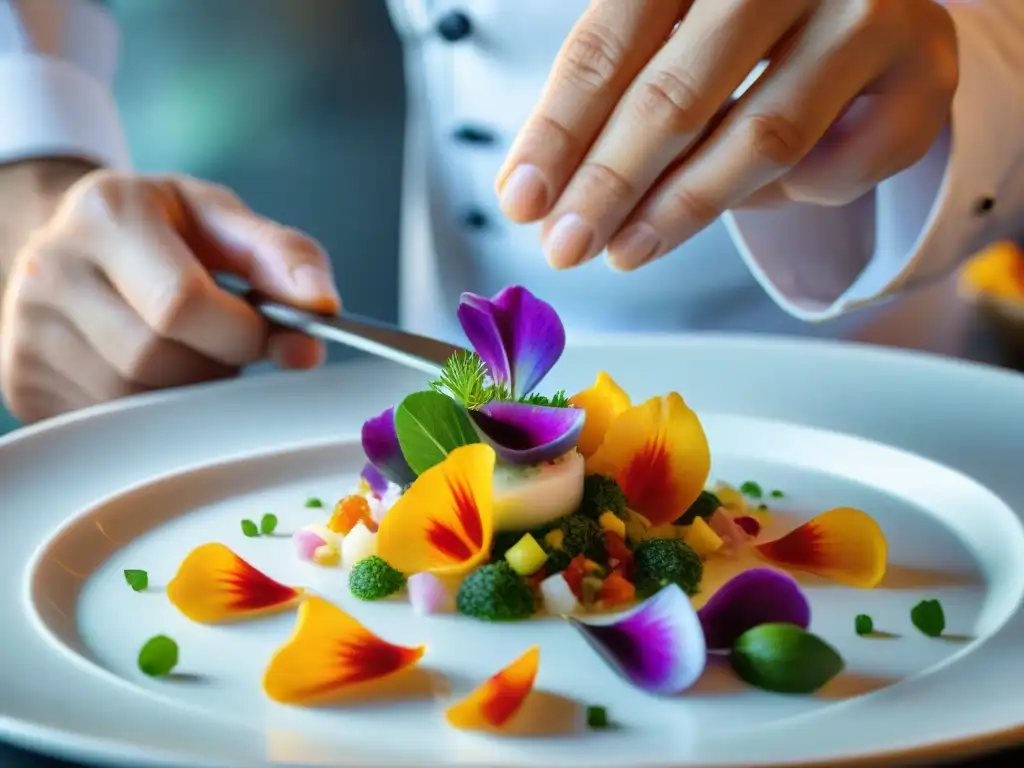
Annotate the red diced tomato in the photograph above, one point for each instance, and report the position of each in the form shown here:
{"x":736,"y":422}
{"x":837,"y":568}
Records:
{"x":534,"y":579}
{"x":574,"y":573}
{"x":615,"y":590}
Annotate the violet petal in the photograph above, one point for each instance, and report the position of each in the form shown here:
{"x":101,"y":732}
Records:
{"x":755,"y":597}
{"x":380,"y":444}
{"x":375,"y":480}
{"x":518,"y":336}
{"x":657,"y":646}
{"x":528,"y":434}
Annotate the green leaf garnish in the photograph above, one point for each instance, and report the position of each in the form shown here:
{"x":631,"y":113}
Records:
{"x":249,"y":529}
{"x":159,"y":656}
{"x":785,"y":659}
{"x":762,"y":507}
{"x":137,"y":580}
{"x":268,"y":524}
{"x":431,"y":425}
{"x":313,"y":503}
{"x":777,"y":494}
{"x":464,"y":378}
{"x":863,"y":625}
{"x":597,"y":718}
{"x":751,"y":490}
{"x":929,"y":617}
{"x":557,"y":400}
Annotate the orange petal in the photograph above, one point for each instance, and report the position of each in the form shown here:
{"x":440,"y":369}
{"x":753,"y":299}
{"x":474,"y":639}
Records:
{"x":494,"y":703}
{"x":213,"y":584}
{"x":602,"y":402}
{"x":844,"y":544}
{"x":444,"y":523}
{"x":998,"y":271}
{"x":328,"y":652}
{"x":659,"y":454}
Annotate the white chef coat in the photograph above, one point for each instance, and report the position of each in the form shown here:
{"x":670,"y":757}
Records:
{"x":474,"y":69}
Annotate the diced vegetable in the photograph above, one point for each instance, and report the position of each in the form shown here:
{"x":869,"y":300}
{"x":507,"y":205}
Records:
{"x":558,"y":596}
{"x":350,"y":511}
{"x":590,"y":586}
{"x":358,"y":544}
{"x":574,"y":573}
{"x":428,"y":594}
{"x":704,"y":540}
{"x":615,"y":590}
{"x":327,"y":555}
{"x":636,"y":526}
{"x":555,"y":539}
{"x":731,"y":498}
{"x":526,"y":556}
{"x":666,"y":531}
{"x":618,"y":552}
{"x":597,"y":718}
{"x":612,"y":523}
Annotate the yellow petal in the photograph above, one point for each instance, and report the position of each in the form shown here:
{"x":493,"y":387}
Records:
{"x":602,"y":402}
{"x":329,"y":652}
{"x":844,"y":544}
{"x":213,"y":584}
{"x":659,"y":454}
{"x":494,"y":702}
{"x":444,"y":522}
{"x":997,"y":271}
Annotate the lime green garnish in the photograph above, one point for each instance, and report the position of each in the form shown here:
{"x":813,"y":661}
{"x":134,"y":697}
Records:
{"x":313,"y":503}
{"x":137,"y":580}
{"x":268,"y":524}
{"x":751,"y":489}
{"x":785,"y":659}
{"x":863,"y":624}
{"x":762,"y":507}
{"x":597,"y":718}
{"x":250,"y":529}
{"x":777,"y":494}
{"x":928,"y":617}
{"x":159,"y":656}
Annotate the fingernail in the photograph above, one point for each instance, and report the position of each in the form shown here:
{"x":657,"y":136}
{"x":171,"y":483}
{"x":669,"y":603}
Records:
{"x":524,"y":194}
{"x":314,"y":285}
{"x":569,"y":241}
{"x":633,"y":247}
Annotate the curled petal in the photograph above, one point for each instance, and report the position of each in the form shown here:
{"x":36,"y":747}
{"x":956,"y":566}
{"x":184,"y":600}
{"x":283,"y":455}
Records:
{"x":328,"y":652}
{"x":658,"y":646}
{"x":444,"y":522}
{"x":374,"y":480}
{"x":380,"y":444}
{"x":602,"y":402}
{"x":659,"y":455}
{"x":496,"y":701}
{"x":755,"y":597}
{"x":518,"y":336}
{"x":844,"y":544}
{"x":528,"y":434}
{"x":214,"y":585}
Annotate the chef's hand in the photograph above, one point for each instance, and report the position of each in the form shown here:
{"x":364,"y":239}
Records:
{"x":636,"y":146}
{"x":113,"y":295}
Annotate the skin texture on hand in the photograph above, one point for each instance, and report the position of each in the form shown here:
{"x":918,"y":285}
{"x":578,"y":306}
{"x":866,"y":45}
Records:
{"x":636,"y":144}
{"x":113,"y":294}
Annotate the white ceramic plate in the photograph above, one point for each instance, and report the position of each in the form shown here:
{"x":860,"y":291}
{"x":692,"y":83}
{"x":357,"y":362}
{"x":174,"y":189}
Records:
{"x":138,"y":484}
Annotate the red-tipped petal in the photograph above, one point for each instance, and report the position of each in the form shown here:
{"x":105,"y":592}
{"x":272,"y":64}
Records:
{"x":494,"y":702}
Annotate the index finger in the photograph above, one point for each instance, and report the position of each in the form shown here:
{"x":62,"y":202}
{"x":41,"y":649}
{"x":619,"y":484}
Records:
{"x":606,"y":50}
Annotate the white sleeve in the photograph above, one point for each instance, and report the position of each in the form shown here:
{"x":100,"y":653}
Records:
{"x":57,"y":62}
{"x":920,"y":225}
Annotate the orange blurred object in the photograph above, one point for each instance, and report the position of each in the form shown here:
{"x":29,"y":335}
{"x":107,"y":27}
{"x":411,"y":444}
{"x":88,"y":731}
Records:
{"x":350,"y":511}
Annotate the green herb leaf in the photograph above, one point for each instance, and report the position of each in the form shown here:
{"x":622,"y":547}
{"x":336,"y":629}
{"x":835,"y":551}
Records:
{"x":431,"y":425}
{"x":464,"y":378}
{"x":929,"y":617}
{"x":313,"y":503}
{"x":597,"y":718}
{"x":762,"y":507}
{"x":137,"y":580}
{"x":159,"y":656}
{"x":751,"y":490}
{"x":557,"y":400}
{"x":268,"y":524}
{"x":777,"y":494}
{"x":785,"y":659}
{"x":863,"y":625}
{"x":249,"y":529}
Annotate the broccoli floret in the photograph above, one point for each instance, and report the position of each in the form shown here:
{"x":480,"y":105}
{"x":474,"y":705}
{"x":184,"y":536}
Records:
{"x":581,"y":536}
{"x":704,"y":506}
{"x":494,"y":592}
{"x":658,"y":562}
{"x":602,"y":494}
{"x":373,"y":579}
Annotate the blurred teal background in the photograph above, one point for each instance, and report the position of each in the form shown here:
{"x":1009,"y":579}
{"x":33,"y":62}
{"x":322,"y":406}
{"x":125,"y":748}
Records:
{"x":295,"y":104}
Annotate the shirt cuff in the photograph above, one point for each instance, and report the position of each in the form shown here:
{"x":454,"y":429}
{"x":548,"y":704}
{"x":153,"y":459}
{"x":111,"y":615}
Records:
{"x":920,"y":225}
{"x":52,"y":108}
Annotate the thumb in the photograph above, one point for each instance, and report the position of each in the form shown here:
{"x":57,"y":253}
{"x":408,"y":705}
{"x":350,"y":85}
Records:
{"x":277,"y":260}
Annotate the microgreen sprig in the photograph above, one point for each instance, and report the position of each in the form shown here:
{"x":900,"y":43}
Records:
{"x":464,"y":378}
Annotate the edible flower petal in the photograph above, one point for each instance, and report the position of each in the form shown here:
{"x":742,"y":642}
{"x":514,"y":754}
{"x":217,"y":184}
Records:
{"x":311,"y":538}
{"x":444,"y":522}
{"x":517,"y":336}
{"x":380,"y":444}
{"x":603,"y":402}
{"x":755,"y":597}
{"x":213,"y":585}
{"x":659,"y":455}
{"x":528,"y":434}
{"x":495,"y":702}
{"x":328,"y":652}
{"x":844,"y":544}
{"x":373,"y":480}
{"x":657,"y":646}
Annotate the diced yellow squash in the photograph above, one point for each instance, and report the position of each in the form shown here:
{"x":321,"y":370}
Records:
{"x":637,"y":526}
{"x":554,"y":539}
{"x":613,"y":524}
{"x":526,"y":557}
{"x":667,"y":531}
{"x":704,"y":541}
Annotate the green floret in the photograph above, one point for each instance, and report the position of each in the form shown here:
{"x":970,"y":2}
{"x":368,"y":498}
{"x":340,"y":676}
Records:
{"x":373,"y":579}
{"x":602,"y":494}
{"x":659,"y":562}
{"x":704,"y":506}
{"x":581,"y":536}
{"x":494,"y":592}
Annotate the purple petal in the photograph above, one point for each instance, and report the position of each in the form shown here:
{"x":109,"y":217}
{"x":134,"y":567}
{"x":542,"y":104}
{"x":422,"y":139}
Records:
{"x":518,"y":336}
{"x":375,"y":480}
{"x":755,"y":597}
{"x":380,"y":444}
{"x":528,"y":434}
{"x":658,"y":646}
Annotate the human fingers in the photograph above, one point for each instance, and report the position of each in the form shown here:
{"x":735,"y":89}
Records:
{"x":663,"y":112}
{"x":605,"y":50}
